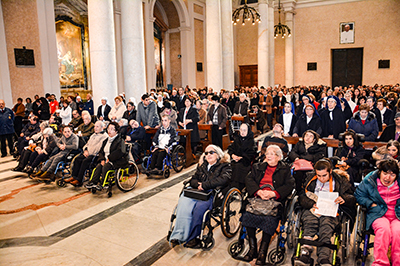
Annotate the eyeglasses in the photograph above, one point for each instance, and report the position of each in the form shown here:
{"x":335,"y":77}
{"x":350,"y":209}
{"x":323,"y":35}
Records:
{"x":209,"y":152}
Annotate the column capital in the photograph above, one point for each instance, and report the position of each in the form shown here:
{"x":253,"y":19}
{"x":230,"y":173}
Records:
{"x":271,"y":3}
{"x":289,"y":6}
{"x":185,"y":28}
{"x":152,"y":19}
{"x":263,"y":2}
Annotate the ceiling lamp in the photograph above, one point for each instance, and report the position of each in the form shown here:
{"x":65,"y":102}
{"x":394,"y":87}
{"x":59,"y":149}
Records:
{"x":249,"y":13}
{"x":281,"y":29}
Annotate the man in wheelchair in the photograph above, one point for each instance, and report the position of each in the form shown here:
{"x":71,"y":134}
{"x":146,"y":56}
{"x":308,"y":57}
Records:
{"x":163,"y":141}
{"x":322,"y":180}
{"x":112,"y":155}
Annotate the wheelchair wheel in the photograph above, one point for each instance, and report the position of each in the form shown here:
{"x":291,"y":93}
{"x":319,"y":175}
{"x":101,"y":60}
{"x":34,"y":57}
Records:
{"x":293,"y":224}
{"x":61,"y":183}
{"x":166,"y":171}
{"x":359,"y":227}
{"x":231,"y":207}
{"x":276,"y":257}
{"x":345,"y":243}
{"x":145,"y":162}
{"x":127,"y":180}
{"x":178,"y":158}
{"x":235,"y":249}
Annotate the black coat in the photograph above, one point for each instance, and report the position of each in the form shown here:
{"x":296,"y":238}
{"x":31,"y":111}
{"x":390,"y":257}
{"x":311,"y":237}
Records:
{"x":243,"y":147}
{"x":180,"y":103}
{"x":30,"y":129}
{"x":192,"y":114}
{"x":129,"y":116}
{"x":301,"y":125}
{"x":282,"y":180}
{"x":292,"y":125}
{"x":388,"y":134}
{"x":387,"y":115}
{"x":118,"y":155}
{"x":378,"y":117}
{"x":244,"y":106}
{"x":276,"y":101}
{"x":106,"y":111}
{"x":219,"y":174}
{"x":342,"y":186}
{"x":337,"y":126}
{"x":313,"y":154}
{"x":136,"y":134}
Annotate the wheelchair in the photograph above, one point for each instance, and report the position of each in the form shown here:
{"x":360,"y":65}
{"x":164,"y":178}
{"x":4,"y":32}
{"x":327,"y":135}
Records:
{"x":277,"y":255}
{"x":361,"y":238}
{"x":225,"y":212}
{"x":63,"y":169}
{"x":174,"y":160}
{"x":342,"y":236}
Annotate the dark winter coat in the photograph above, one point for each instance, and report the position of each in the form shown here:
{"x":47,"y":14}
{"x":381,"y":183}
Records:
{"x":136,"y":134}
{"x":107,"y":110}
{"x":192,"y":114}
{"x":6,"y":121}
{"x":118,"y":155}
{"x":367,"y":193}
{"x":301,"y":125}
{"x":313,"y":154}
{"x":244,"y":106}
{"x":333,"y":127}
{"x":388,"y":134}
{"x":51,"y":145}
{"x":243,"y":147}
{"x":168,"y":131}
{"x":219,"y":174}
{"x":129,"y":116}
{"x":369,"y":129}
{"x":88,"y":106}
{"x":30,"y":129}
{"x":378,"y":117}
{"x":342,"y":186}
{"x":282,"y":180}
{"x":222,"y":115}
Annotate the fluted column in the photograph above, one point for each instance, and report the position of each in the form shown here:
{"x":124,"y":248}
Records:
{"x":149,"y":43}
{"x":118,"y":46}
{"x":271,"y":60}
{"x":133,"y":48}
{"x":102,"y":49}
{"x":227,"y":46}
{"x":213,"y":45}
{"x":263,"y":45}
{"x":289,"y":46}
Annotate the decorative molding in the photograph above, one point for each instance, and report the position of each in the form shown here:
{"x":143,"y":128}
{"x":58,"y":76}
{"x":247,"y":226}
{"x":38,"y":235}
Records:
{"x":315,"y":3}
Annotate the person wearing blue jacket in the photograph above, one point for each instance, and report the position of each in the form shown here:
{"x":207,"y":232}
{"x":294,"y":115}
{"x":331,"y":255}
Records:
{"x":379,"y":192}
{"x":88,"y":106}
{"x":364,"y":122}
{"x":6,"y":128}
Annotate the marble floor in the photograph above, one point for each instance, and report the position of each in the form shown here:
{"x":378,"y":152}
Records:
{"x":47,"y":225}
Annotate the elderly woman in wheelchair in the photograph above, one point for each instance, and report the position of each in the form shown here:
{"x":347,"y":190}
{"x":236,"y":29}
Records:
{"x":112,"y":156}
{"x":379,"y":193}
{"x":313,"y":223}
{"x":213,"y":171}
{"x":268,"y":185}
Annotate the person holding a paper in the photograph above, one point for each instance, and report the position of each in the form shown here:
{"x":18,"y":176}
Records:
{"x":324,"y":191}
{"x":379,"y":192}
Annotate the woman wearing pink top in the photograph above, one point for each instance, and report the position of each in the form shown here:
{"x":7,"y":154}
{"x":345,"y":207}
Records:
{"x":379,"y":192}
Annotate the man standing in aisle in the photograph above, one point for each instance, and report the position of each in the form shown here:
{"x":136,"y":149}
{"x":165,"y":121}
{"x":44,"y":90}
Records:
{"x":217,"y":117}
{"x":6,"y":128}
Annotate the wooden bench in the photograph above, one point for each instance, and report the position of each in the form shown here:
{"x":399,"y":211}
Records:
{"x":207,"y":141}
{"x":188,"y":148}
{"x":334,"y":143}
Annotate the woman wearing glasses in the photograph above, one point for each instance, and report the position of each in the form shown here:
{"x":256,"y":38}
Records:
{"x":213,"y":170}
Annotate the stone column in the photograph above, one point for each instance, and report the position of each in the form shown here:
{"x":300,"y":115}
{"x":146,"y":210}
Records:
{"x":263,"y":45}
{"x":214,"y":45}
{"x":228,"y":71}
{"x":118,"y":46}
{"x":48,"y":47}
{"x":271,"y":60}
{"x":149,"y":42}
{"x":133,"y":48}
{"x":102,"y":50}
{"x":188,"y":61}
{"x":5,"y":83}
{"x":289,"y":46}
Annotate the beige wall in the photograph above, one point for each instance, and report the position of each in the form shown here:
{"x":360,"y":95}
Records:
{"x":377,"y":28}
{"x":175,"y":62}
{"x":199,"y":51}
{"x":21,"y":29}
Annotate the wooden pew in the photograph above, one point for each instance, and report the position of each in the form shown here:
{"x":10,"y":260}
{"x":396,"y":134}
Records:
{"x":208,"y":140}
{"x":188,"y":147}
{"x":334,"y":143}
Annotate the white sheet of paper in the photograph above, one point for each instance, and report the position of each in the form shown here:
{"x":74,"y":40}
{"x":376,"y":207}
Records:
{"x":326,"y":203}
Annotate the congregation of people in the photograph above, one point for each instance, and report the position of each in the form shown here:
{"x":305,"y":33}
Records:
{"x":46,"y":129}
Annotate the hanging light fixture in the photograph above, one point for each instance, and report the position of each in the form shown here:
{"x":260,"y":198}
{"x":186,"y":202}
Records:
{"x":249,"y":13}
{"x":281,"y":29}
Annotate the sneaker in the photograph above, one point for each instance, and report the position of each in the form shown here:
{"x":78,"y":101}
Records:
{"x":106,"y":187}
{"x":90,"y":185}
{"x":304,"y":259}
{"x":98,"y":187}
{"x":325,"y":262}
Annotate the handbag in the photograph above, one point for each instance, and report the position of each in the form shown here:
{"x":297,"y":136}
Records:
{"x":197,"y":194}
{"x":302,"y":165}
{"x":259,"y":206}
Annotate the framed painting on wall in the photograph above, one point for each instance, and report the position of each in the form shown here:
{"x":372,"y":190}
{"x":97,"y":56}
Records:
{"x":71,"y":60}
{"x":346,"y":30}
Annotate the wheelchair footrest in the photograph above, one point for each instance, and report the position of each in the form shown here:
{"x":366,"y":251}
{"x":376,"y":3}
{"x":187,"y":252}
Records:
{"x":317,"y":244}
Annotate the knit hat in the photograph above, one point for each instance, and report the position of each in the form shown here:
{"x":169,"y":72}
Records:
{"x":48,"y":131}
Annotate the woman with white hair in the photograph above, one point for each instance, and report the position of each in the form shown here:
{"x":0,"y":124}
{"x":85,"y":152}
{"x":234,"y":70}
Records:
{"x":103,"y":110}
{"x":213,"y":170}
{"x":118,"y":110}
{"x":274,"y":173}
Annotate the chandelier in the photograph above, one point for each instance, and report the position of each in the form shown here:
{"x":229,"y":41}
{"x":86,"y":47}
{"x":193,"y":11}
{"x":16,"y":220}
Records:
{"x":249,"y":13}
{"x":280,"y":28}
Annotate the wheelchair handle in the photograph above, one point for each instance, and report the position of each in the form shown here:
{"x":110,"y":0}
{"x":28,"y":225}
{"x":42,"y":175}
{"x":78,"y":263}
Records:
{"x":268,"y":185}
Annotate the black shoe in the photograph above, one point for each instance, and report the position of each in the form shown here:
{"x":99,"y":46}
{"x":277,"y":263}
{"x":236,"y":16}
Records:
{"x":38,"y":173}
{"x":17,"y":169}
{"x":325,"y":262}
{"x":194,"y":243}
{"x":90,"y":185}
{"x":3,"y":155}
{"x":303,"y":260}
{"x":174,"y":243}
{"x":252,"y":254}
